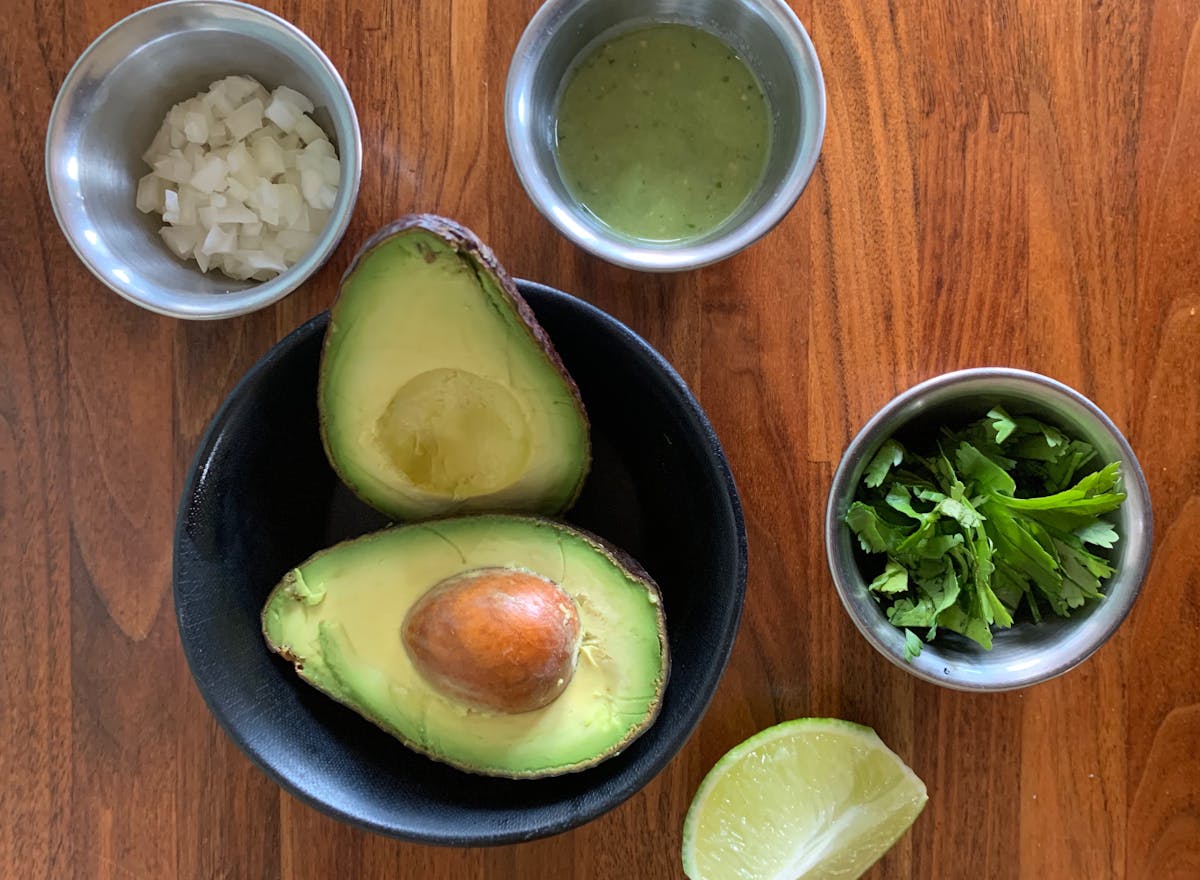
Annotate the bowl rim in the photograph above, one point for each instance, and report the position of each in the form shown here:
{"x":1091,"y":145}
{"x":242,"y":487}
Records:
{"x":1136,"y":564}
{"x":627,"y":252}
{"x":681,"y":732}
{"x":262,"y":294}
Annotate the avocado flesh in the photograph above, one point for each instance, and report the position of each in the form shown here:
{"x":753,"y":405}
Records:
{"x":338,"y":617}
{"x":438,"y":391}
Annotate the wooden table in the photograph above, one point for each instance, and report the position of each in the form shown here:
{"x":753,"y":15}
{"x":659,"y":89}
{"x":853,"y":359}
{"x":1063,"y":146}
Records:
{"x":1012,"y":182}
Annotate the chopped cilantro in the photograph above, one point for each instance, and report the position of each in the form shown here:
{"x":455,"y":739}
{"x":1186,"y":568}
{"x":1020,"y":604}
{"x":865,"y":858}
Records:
{"x":988,"y":520}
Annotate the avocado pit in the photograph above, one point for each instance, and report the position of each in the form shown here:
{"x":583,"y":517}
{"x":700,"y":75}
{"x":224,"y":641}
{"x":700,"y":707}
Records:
{"x":498,"y":639}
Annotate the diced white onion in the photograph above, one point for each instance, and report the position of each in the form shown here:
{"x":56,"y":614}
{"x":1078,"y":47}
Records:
{"x":269,"y":156}
{"x":331,"y":170}
{"x":173,"y":168}
{"x":195,"y":128}
{"x":159,"y":146}
{"x":244,"y":179}
{"x":238,"y":190}
{"x":320,"y":148}
{"x":190,"y":200}
{"x":283,"y":114}
{"x":301,"y":222}
{"x":219,"y":241}
{"x":237,"y":157}
{"x":171,"y":206}
{"x":181,"y":239}
{"x":245,"y":119}
{"x":308,"y":130}
{"x":211,"y":175}
{"x":220,"y":101}
{"x":238,"y":88}
{"x":151,"y":193}
{"x":291,"y":96}
{"x":218,"y":134}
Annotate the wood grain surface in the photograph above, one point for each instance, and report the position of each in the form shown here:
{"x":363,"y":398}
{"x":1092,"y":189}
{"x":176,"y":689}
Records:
{"x":1009,"y":182}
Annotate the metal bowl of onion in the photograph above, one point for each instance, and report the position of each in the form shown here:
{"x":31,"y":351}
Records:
{"x":174,"y":187}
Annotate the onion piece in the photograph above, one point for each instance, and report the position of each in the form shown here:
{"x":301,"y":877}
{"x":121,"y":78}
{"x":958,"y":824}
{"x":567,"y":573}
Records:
{"x":219,"y":241}
{"x":171,"y":206}
{"x":245,"y":119}
{"x":291,"y":96}
{"x":210,"y":175}
{"x":195,"y":128}
{"x":174,"y":168}
{"x":181,"y":239}
{"x":283,"y":114}
{"x":308,"y":130}
{"x":151,"y":194}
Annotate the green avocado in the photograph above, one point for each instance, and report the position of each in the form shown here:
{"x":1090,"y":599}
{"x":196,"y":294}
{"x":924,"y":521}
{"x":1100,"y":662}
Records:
{"x":439,"y":392}
{"x":360,"y":622}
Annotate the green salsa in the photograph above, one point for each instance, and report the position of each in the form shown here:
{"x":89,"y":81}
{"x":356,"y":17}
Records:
{"x":662,"y":132}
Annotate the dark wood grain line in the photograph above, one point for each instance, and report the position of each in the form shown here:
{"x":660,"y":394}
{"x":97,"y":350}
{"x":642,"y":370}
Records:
{"x":1167,"y":803}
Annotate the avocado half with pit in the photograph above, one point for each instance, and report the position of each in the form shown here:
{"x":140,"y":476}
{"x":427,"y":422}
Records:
{"x":503,"y":645}
{"x":439,"y":392}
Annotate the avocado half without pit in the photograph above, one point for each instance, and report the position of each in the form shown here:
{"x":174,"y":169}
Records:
{"x":503,"y":645}
{"x":439,"y":392}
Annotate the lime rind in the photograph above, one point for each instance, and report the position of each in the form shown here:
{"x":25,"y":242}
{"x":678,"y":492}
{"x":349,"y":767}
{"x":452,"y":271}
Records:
{"x":813,"y":798}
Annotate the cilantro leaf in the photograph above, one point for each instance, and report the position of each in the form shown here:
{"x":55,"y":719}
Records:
{"x":938,"y":595}
{"x":889,"y":455}
{"x":1098,"y":533}
{"x":988,"y":476}
{"x":1001,"y":424}
{"x":976,"y":629}
{"x":875,"y":534}
{"x":912,"y":645}
{"x":894,"y":579}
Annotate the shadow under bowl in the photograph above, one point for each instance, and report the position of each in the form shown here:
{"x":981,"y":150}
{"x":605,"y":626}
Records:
{"x":261,"y":497}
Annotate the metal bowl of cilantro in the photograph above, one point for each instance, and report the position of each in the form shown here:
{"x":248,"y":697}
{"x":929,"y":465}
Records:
{"x":988,"y":529}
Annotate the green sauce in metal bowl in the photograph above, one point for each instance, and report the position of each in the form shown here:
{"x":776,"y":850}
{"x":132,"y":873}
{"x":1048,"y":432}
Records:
{"x":662,"y":132}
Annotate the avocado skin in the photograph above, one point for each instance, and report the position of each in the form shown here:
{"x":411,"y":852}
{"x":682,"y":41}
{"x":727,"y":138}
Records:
{"x":481,"y":259}
{"x":615,"y":555}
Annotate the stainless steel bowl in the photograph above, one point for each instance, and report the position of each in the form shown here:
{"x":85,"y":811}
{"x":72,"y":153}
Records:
{"x":765,"y":33}
{"x":113,"y":101}
{"x":1028,"y":653}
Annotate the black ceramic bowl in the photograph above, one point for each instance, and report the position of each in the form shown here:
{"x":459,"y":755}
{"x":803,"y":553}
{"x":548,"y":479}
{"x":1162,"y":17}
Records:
{"x":261,"y":497}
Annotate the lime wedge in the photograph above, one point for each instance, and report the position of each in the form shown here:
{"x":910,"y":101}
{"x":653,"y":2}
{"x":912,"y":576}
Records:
{"x":813,"y":798}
